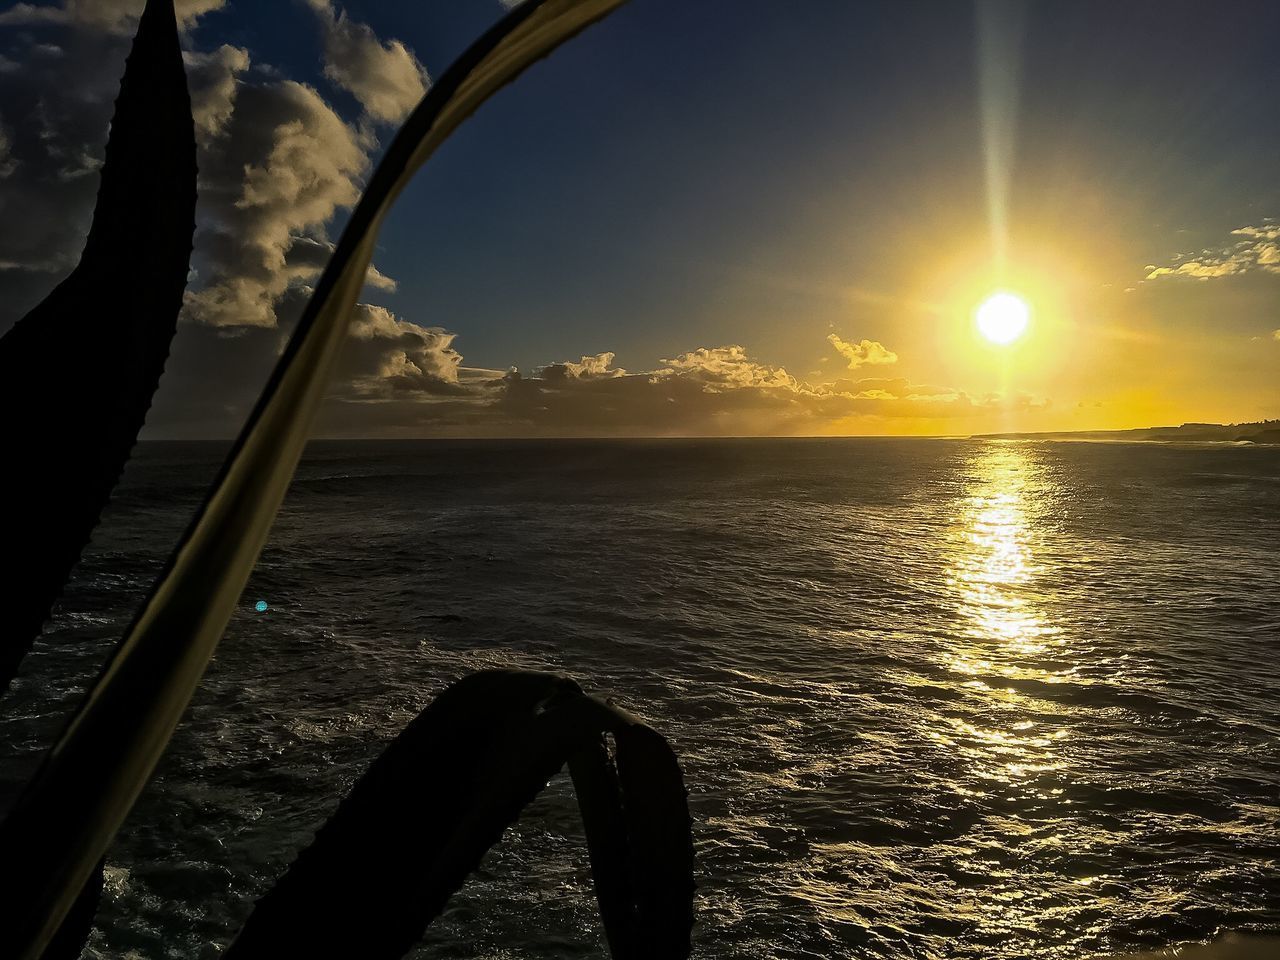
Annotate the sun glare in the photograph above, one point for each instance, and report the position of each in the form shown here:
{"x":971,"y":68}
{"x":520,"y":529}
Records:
{"x":1002,"y":317}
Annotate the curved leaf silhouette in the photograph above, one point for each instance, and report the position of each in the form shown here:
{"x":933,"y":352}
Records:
{"x":67,"y":816}
{"x":78,"y":372}
{"x":442,"y":793}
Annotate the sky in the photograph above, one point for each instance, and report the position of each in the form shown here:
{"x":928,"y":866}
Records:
{"x":712,"y":218}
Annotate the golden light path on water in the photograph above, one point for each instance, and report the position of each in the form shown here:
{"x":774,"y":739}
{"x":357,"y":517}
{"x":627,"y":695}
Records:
{"x":995,"y":571}
{"x":1017,"y":748}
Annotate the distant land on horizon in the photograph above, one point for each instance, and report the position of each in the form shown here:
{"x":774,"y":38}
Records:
{"x":1265,"y":431}
{"x":1262,"y":432}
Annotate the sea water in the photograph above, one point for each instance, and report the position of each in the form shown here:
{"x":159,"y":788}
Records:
{"x":942,"y":698}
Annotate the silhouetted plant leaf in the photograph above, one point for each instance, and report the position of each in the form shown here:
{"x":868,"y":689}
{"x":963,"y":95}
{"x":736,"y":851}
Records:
{"x":419,"y":821}
{"x":78,"y":372}
{"x":657,"y":818}
{"x":69,"y":942}
{"x":67,"y":816}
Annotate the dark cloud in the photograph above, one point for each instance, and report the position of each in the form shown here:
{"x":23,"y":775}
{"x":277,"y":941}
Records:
{"x":113,"y":16}
{"x":396,"y":378}
{"x":54,"y":113}
{"x":308,"y":256}
{"x":211,"y":381}
{"x":388,"y":358}
{"x":212,"y":78}
{"x":708,"y":391}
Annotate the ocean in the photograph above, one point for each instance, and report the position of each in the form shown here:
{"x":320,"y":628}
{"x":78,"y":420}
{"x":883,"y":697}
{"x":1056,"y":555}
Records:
{"x":933,"y":698}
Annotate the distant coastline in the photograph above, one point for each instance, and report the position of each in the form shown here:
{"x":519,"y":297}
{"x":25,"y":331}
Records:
{"x":1265,"y":431}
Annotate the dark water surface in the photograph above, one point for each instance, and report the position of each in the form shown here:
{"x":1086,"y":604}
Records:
{"x":933,"y":698}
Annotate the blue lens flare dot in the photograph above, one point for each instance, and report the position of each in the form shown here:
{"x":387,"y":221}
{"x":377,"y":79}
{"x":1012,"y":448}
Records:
{"x":261,"y":606}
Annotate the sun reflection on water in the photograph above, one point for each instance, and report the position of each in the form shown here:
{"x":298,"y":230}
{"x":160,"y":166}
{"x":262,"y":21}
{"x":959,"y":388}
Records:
{"x":996,"y":569}
{"x":994,"y":576}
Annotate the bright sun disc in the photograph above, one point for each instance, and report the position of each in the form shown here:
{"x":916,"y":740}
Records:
{"x":1002,"y":317}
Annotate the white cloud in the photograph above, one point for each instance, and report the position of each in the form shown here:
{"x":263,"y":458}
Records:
{"x":729,"y":367}
{"x":599,"y":365}
{"x":1259,"y":250}
{"x":386,"y":78}
{"x":278,"y":162}
{"x":283,"y":165}
{"x":1269,"y":232}
{"x":1205,"y":269}
{"x":863,"y":352}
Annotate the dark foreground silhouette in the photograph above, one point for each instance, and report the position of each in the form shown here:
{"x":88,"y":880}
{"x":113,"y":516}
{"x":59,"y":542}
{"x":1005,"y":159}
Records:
{"x":78,"y":372}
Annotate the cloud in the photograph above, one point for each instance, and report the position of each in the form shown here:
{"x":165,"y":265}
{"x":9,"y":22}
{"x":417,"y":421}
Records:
{"x":212,"y":379}
{"x":54,"y":114}
{"x":308,"y":256}
{"x":589,"y":367}
{"x":390,"y":358}
{"x":386,"y":78}
{"x":1259,"y":250}
{"x":1204,"y":269}
{"x":283,"y":164}
{"x":388,"y":369}
{"x":863,"y":352}
{"x":116,"y":16}
{"x":726,"y":367}
{"x":212,"y":80}
{"x":1269,"y":232}
{"x":276,"y":161}
{"x":397,"y":378}
{"x":896,"y":388}
{"x":709,"y":391}
{"x":7,"y":163}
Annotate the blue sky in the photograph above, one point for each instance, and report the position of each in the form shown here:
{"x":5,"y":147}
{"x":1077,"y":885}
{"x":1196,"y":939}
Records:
{"x":718,"y":149}
{"x":694,"y":176}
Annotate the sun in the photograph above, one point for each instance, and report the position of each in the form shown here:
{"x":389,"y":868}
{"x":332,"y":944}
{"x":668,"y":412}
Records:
{"x":1002,"y":317}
